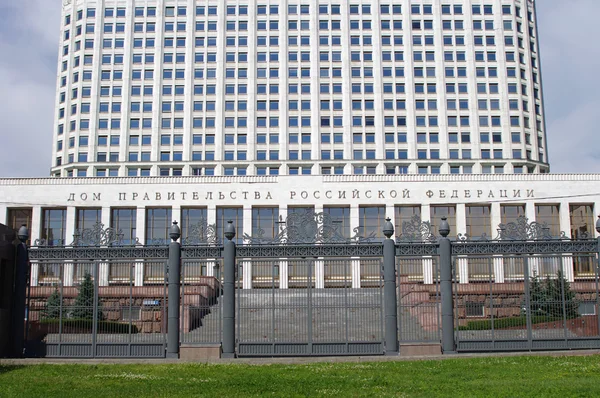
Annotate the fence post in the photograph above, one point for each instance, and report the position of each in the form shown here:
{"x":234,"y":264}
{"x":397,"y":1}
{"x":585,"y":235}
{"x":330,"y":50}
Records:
{"x":597,"y":272}
{"x":229,"y":292}
{"x":174,"y":270}
{"x":448,"y":344}
{"x":389,"y":290}
{"x":20,"y":293}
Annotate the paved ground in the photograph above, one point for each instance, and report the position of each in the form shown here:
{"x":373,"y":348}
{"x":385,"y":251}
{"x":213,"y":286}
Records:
{"x":294,"y":360}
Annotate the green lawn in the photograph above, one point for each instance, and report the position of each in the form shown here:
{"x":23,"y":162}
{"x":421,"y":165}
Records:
{"x":506,"y":377}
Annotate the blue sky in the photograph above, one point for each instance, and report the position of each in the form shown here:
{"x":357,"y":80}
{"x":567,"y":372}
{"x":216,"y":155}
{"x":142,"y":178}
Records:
{"x":29,"y":39}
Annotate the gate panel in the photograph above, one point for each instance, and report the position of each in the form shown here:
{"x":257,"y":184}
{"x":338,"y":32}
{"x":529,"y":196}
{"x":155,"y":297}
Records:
{"x":525,"y":302}
{"x":82,"y":309}
{"x":419,"y":299}
{"x":305,"y":319}
{"x":201,"y":301}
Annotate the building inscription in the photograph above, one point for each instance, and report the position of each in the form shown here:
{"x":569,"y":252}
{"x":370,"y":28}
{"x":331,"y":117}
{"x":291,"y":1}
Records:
{"x":186,"y":196}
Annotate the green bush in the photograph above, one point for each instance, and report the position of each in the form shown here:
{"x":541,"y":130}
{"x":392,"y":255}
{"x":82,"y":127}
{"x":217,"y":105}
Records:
{"x":87,"y":324}
{"x":505,"y":323}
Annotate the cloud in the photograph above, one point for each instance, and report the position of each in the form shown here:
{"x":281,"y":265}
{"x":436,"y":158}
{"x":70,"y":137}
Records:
{"x":570,"y":62}
{"x":29,"y":42}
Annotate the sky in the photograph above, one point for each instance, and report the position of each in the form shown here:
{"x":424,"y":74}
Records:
{"x":569,"y":34}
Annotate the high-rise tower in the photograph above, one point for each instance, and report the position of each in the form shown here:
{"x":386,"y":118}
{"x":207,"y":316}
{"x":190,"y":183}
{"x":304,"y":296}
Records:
{"x":252,"y":87}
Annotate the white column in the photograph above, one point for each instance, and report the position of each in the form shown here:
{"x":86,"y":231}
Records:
{"x":355,"y":265}
{"x":463,"y":269}
{"x":496,"y":216}
{"x":568,"y":268}
{"x":319,"y":274}
{"x":4,"y":215}
{"x":564,"y":217}
{"x":428,"y":271}
{"x":427,"y":262}
{"x":283,"y":274}
{"x":247,"y":274}
{"x":68,"y":273}
{"x":530,"y":211}
{"x":103,"y":273}
{"x":104,"y":268}
{"x":69,"y":267}
{"x":140,"y":227}
{"x":498,"y":269}
{"x":461,"y":220}
{"x":35,"y":233}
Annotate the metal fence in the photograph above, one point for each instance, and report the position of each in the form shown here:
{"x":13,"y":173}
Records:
{"x":78,"y":311}
{"x":201,"y":302}
{"x":318,"y":313}
{"x":525,"y":302}
{"x":419,"y":299}
{"x":310,"y":291}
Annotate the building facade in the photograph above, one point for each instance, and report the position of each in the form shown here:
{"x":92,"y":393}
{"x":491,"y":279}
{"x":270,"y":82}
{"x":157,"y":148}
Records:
{"x":142,"y":209}
{"x":263,"y":87}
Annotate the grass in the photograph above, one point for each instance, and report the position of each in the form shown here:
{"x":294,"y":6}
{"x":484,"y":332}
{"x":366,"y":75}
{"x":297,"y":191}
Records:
{"x":494,"y":376}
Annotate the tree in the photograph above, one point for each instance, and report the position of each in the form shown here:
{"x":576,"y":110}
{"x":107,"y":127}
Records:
{"x":52,"y":308}
{"x":537,"y":296}
{"x":558,"y":290}
{"x":548,"y":297}
{"x":84,"y":302}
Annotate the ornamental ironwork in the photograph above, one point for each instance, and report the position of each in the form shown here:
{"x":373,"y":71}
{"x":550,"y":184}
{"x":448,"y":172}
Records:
{"x":201,"y":234}
{"x":416,"y":230}
{"x":97,"y":235}
{"x":308,"y":227}
{"x":522,"y":229}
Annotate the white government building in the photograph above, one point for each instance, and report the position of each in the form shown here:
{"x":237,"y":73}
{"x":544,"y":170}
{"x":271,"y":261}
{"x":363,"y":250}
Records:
{"x":251,"y":109}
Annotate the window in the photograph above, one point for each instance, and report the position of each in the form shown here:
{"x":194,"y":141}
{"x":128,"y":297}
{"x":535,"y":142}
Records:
{"x":404,"y":216}
{"x":54,"y":226}
{"x":158,"y":222}
{"x":478,"y":221}
{"x":225,"y":214}
{"x":436,"y":214}
{"x":371,"y":220}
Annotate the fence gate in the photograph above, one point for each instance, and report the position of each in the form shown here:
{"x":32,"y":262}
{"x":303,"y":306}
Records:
{"x":95,"y":309}
{"x":518,"y":302}
{"x":309,"y":307}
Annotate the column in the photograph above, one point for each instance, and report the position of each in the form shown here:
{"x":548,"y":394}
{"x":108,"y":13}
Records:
{"x":283,"y":274}
{"x":4,"y":216}
{"x":70,"y":227}
{"x":104,"y":268}
{"x":427,"y":262}
{"x":565,"y":226}
{"x":320,"y":273}
{"x":498,"y":261}
{"x":283,"y":263}
{"x":355,"y":261}
{"x":463,"y":269}
{"x":140,"y":227}
{"x":461,"y":220}
{"x":35,"y":233}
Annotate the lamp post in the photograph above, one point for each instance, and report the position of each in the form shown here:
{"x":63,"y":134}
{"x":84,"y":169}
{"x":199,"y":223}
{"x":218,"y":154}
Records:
{"x":174,"y":271}
{"x":20,"y":314}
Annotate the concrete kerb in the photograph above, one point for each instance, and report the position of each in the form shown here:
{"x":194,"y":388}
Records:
{"x":285,"y":361}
